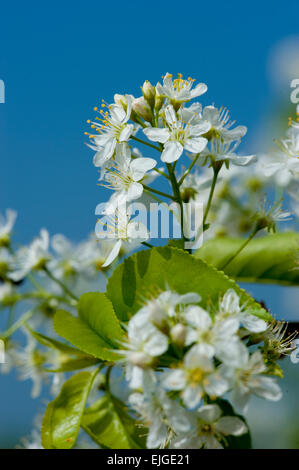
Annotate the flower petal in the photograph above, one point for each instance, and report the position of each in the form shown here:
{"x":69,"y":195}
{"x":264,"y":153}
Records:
{"x":156,"y":134}
{"x":230,"y":425}
{"x":172,"y":152}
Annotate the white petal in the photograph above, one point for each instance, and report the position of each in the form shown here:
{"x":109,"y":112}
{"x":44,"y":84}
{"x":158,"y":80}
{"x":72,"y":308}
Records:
{"x":212,"y":443}
{"x":117,"y":113}
{"x":157,"y":434}
{"x":234,"y":134}
{"x":242,"y":161}
{"x":192,"y":396}
{"x":140,"y":166}
{"x":230,"y":351}
{"x":134,"y":192}
{"x":227,"y":327}
{"x":253,"y":323}
{"x":195,"y":144}
{"x":190,"y":298}
{"x":216,"y":385}
{"x":126,"y":133}
{"x":267,"y":388}
{"x":170,"y":116}
{"x":230,"y":302}
{"x":198,"y":317}
{"x":172,"y":152}
{"x":240,"y":399}
{"x":157,"y":344}
{"x":113,"y":253}
{"x":199,"y":129}
{"x":200,"y":89}
{"x":209,"y":413}
{"x":105,"y":153}
{"x":193,"y":359}
{"x":156,"y":134}
{"x":101,"y":139}
{"x":175,"y":380}
{"x":230,"y":425}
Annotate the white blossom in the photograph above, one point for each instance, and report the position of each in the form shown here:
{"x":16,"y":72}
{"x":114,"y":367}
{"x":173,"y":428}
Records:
{"x":249,"y":378}
{"x":33,"y":257}
{"x":196,"y":377}
{"x":145,"y":343}
{"x":161,"y":415}
{"x":229,"y":307}
{"x":125,"y":178}
{"x":120,"y":228}
{"x":180,"y":91}
{"x":210,"y":430}
{"x":220,"y":150}
{"x":221,"y":124}
{"x":6,"y":226}
{"x":166,"y":306}
{"x":113,"y":129}
{"x":213,"y":338}
{"x":283,"y":165}
{"x":178,"y":136}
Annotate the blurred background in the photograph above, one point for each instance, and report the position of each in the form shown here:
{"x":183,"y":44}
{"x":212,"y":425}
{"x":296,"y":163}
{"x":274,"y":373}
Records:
{"x":58,"y":60}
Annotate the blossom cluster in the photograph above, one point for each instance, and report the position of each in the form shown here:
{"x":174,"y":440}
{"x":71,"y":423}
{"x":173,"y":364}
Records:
{"x":162,"y":120}
{"x":181,"y":358}
{"x":190,"y":364}
{"x":35,"y":281}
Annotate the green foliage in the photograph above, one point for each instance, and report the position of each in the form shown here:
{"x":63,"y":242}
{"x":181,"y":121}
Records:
{"x":147,"y":272}
{"x":108,"y":423}
{"x":96,"y":330}
{"x":53,"y":343}
{"x":63,"y":416}
{"x":270,"y":259}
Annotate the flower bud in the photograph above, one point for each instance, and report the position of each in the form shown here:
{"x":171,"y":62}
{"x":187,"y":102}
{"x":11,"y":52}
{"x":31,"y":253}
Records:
{"x":149,"y":92}
{"x":121,"y":100}
{"x":142,"y":109}
{"x":178,"y":334}
{"x":187,"y":194}
{"x":4,"y":241}
{"x":159,"y":100}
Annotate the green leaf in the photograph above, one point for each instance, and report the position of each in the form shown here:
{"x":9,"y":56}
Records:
{"x":76,"y":363}
{"x":146,"y":272}
{"x":53,"y":343}
{"x":108,"y":423}
{"x":61,"y":422}
{"x":270,"y":259}
{"x":95,"y":331}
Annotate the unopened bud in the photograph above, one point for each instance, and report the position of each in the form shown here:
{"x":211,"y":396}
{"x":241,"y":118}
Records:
{"x":142,"y":109}
{"x":188,"y":193}
{"x":121,"y":100}
{"x":159,"y":100}
{"x":178,"y":334}
{"x":4,"y":241}
{"x":149,"y":93}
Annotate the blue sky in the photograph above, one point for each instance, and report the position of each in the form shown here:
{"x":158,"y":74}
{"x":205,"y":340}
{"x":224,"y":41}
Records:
{"x":59,"y":59}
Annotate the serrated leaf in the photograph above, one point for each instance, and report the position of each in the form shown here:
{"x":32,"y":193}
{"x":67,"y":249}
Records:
{"x":53,"y":343}
{"x":108,"y":423}
{"x":146,"y":272}
{"x":95,"y":331}
{"x":76,"y":363}
{"x":270,"y":259}
{"x":61,"y":422}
